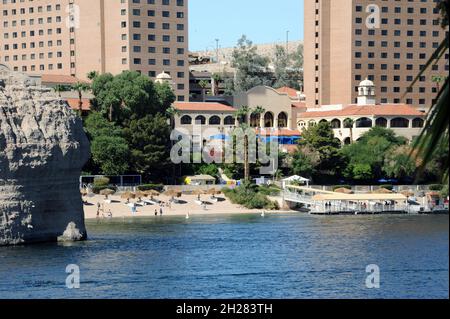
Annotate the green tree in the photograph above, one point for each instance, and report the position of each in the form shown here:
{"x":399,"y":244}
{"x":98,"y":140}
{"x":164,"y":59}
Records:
{"x":109,"y":150}
{"x":111,"y":153}
{"x":149,"y":142}
{"x":303,"y":164}
{"x":287,"y":68}
{"x":166,"y":97}
{"x":207,"y":169}
{"x":216,"y":78}
{"x":398,"y":164}
{"x":92,"y":75}
{"x":371,"y":150}
{"x":362,"y":171}
{"x":320,"y":138}
{"x":251,"y":68}
{"x":130,"y":95}
{"x":59,"y":89}
{"x":281,"y":64}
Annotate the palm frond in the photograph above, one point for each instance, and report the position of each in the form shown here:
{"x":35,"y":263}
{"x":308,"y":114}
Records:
{"x":435,"y":57}
{"x":435,"y":131}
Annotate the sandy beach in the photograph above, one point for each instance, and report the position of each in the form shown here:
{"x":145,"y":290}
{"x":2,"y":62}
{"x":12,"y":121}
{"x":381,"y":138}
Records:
{"x":187,"y":205}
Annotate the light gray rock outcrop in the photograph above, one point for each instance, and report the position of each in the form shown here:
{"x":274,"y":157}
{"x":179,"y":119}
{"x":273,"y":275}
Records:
{"x":42,"y":150}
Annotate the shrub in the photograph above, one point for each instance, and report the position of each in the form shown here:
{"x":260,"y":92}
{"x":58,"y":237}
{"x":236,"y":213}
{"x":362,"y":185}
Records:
{"x":148,"y":187}
{"x":101,"y":181}
{"x":436,"y":187}
{"x":387,"y":186}
{"x":249,"y":196}
{"x":269,"y":190}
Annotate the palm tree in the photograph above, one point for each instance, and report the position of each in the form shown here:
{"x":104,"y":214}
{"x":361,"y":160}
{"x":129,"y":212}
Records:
{"x":203,"y":84}
{"x":241,"y":117}
{"x":436,"y":130}
{"x":80,"y":87}
{"x":438,"y":79}
{"x":242,"y":114}
{"x":59,"y":88}
{"x":92,"y":75}
{"x":171,"y":112}
{"x":259,"y":110}
{"x":216,"y":77}
{"x":349,"y":123}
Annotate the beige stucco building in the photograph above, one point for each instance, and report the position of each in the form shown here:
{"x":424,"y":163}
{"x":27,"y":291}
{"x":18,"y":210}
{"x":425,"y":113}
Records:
{"x":405,"y":120}
{"x":74,"y":37}
{"x":280,"y":108}
{"x":387,"y":41}
{"x":209,"y":115}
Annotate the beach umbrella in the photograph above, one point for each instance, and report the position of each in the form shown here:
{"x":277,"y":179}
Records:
{"x":343,"y":190}
{"x":140,"y":194}
{"x":212,"y":191}
{"x":128,"y":195}
{"x":407,"y":193}
{"x":198,"y":192}
{"x":107,"y":192}
{"x":152,"y":192}
{"x":382,"y":191}
{"x":173,"y":193}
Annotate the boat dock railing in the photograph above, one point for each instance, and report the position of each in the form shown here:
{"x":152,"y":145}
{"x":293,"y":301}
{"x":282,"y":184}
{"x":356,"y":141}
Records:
{"x":327,"y":204}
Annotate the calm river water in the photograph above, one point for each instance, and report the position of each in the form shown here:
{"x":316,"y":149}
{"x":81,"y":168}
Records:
{"x":239,"y":256}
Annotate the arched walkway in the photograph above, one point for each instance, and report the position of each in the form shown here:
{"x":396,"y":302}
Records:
{"x":418,"y":123}
{"x":269,"y":120}
{"x":186,"y":120}
{"x":363,"y":122}
{"x":399,"y":122}
{"x":229,"y":120}
{"x":282,"y":120}
{"x":255,"y":120}
{"x":200,"y":120}
{"x":214,"y":120}
{"x":381,"y":122}
{"x":336,"y":123}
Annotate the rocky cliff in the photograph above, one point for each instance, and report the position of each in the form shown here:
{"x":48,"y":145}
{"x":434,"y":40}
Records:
{"x":42,"y":150}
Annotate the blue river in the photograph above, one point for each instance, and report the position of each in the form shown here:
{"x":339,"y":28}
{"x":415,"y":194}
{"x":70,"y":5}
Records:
{"x":239,"y":256}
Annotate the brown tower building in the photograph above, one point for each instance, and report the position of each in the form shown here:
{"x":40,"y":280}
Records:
{"x":74,"y":37}
{"x":386,"y":41}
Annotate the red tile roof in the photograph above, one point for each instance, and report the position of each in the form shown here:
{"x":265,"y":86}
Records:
{"x":59,"y":79}
{"x":292,"y":93}
{"x":278,"y":132}
{"x":367,"y":110}
{"x":74,"y":104}
{"x":203,"y":107}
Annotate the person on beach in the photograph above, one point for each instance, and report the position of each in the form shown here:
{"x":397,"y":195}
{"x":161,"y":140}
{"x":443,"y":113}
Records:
{"x":161,"y":211}
{"x":98,"y":210}
{"x":133,"y":210}
{"x":156,"y":212}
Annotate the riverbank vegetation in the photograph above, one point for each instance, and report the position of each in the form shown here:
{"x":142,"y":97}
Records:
{"x":250,"y":196}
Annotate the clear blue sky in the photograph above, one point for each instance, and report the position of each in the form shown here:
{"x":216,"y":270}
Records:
{"x":263,"y":21}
